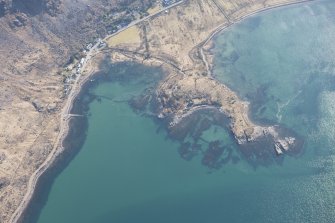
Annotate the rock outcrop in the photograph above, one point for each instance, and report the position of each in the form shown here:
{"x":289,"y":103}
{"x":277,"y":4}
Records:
{"x":181,"y":95}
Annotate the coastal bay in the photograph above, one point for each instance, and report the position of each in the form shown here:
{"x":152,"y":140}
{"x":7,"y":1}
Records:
{"x":130,"y":168}
{"x":264,"y":121}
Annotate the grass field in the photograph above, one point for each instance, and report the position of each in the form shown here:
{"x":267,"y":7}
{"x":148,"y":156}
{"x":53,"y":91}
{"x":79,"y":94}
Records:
{"x":130,"y":35}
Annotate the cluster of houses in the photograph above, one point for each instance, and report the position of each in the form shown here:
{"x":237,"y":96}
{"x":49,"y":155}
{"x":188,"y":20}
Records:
{"x":76,"y":68}
{"x":122,"y":20}
{"x":117,"y":27}
{"x":99,"y":42}
{"x":167,"y":3}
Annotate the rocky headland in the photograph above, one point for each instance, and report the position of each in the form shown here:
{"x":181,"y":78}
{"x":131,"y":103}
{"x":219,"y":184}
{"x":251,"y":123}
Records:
{"x":180,"y":40}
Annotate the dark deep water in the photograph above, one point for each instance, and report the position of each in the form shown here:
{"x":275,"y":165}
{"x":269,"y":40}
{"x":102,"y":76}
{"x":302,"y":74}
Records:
{"x":123,"y":167}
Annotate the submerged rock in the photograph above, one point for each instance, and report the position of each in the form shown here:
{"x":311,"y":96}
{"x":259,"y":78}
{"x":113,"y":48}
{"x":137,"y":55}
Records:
{"x":213,"y":154}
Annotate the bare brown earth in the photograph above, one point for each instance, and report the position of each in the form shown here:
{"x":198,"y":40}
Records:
{"x":32,"y":102}
{"x":34,"y":46}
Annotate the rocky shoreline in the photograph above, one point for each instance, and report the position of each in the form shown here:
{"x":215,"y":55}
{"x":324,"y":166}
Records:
{"x":182,"y":97}
{"x":184,"y":90}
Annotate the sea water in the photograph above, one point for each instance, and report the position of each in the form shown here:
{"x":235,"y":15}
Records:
{"x":129,"y":169}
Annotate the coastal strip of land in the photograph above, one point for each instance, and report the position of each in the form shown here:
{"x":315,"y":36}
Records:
{"x":187,"y":55}
{"x":84,"y":75}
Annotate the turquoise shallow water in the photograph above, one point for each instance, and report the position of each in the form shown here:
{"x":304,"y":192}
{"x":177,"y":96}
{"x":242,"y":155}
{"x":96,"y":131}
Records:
{"x":129,"y":170}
